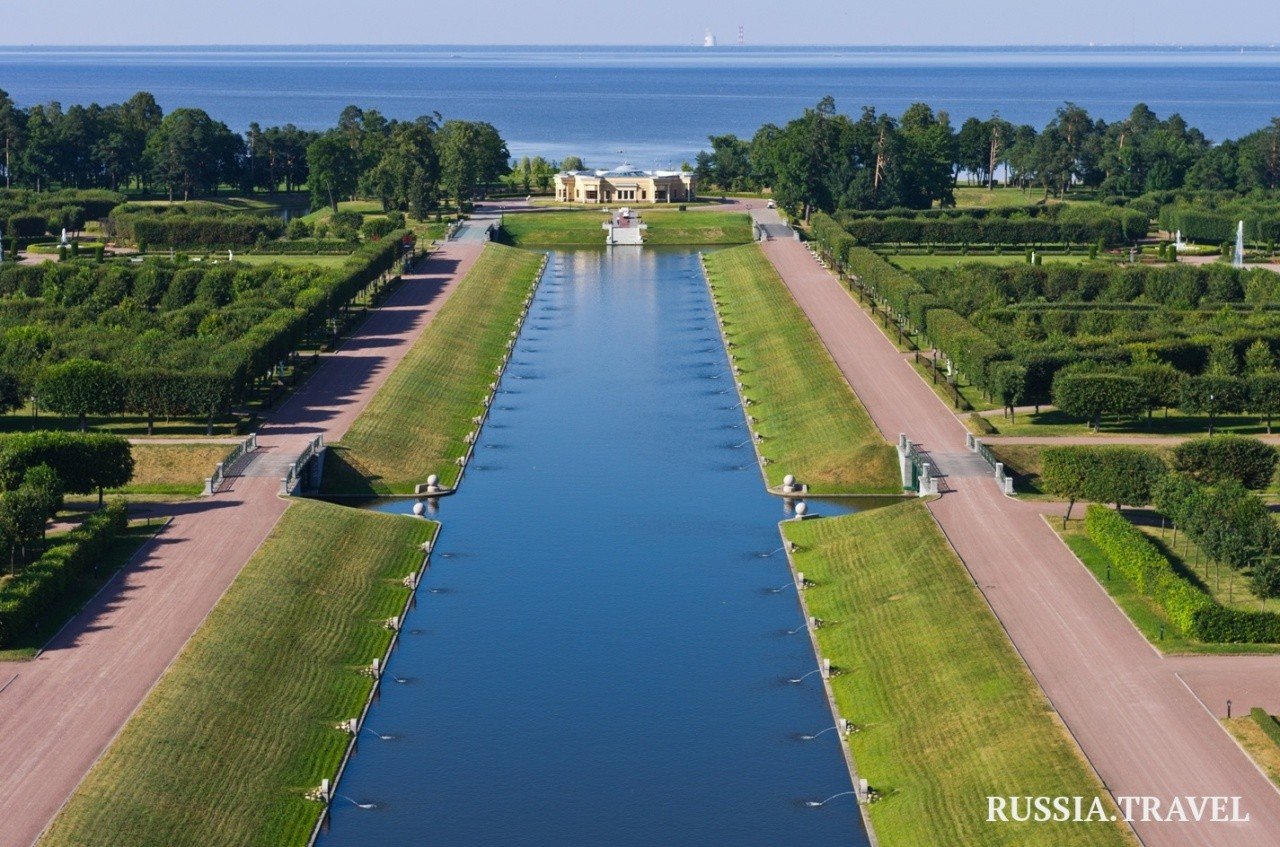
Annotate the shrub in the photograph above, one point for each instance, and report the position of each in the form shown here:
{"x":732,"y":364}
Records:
{"x":27,"y":225}
{"x":1211,"y":460}
{"x":298,"y":228}
{"x":376,"y":228}
{"x":345,"y":224}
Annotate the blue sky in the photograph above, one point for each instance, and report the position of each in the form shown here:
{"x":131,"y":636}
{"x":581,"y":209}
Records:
{"x":638,"y":22}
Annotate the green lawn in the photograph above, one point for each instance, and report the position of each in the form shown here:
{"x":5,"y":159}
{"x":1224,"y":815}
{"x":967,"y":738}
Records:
{"x":242,"y":725}
{"x":324,"y":260}
{"x":814,"y":425}
{"x":666,"y":226}
{"x":1145,"y":613}
{"x":968,"y":197}
{"x":948,"y":714}
{"x":1174,"y":422}
{"x":72,"y":601}
{"x":417,"y":423}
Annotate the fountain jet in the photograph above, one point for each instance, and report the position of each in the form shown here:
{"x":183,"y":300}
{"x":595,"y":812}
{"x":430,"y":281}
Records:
{"x":815,"y":803}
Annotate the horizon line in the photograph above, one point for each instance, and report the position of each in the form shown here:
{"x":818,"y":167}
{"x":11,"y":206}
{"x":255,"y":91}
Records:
{"x":727,"y":47}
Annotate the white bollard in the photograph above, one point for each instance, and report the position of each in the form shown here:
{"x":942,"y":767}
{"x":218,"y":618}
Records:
{"x":800,"y":578}
{"x":376,"y":667}
{"x":826,"y":669}
{"x":326,"y":791}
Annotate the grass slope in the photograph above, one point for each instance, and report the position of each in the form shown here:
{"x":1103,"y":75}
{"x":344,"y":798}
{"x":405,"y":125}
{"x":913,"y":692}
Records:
{"x":948,"y":712}
{"x":180,"y":469}
{"x":813,"y":423}
{"x":418,"y":421}
{"x":582,"y":228}
{"x":224,"y":748}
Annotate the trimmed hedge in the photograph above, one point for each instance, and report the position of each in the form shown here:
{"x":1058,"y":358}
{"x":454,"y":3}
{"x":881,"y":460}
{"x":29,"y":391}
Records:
{"x":1191,"y":610}
{"x":1267,"y":723}
{"x":24,"y":598}
{"x":85,"y":462}
{"x":1210,"y":460}
{"x":1076,"y":225}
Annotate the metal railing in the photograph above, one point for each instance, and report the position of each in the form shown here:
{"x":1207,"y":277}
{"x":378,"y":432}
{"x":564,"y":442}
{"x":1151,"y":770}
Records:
{"x":292,"y":481}
{"x":213,"y":483}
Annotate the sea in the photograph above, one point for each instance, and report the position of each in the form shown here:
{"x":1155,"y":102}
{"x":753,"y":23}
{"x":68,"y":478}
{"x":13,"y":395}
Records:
{"x":654,"y":106}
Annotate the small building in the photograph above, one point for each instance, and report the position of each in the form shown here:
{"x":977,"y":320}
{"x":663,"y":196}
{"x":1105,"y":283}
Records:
{"x":625,"y":184}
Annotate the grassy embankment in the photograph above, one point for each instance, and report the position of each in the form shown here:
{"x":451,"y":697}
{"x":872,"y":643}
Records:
{"x":173,"y":470}
{"x":225,"y":747}
{"x":418,"y":421}
{"x":1146,"y":614}
{"x":1248,"y":730}
{"x":666,"y":226}
{"x":947,"y":712}
{"x":813,"y":424}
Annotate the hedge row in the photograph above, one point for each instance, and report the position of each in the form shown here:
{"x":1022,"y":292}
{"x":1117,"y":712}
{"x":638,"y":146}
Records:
{"x":972,"y":350}
{"x":1267,"y":723}
{"x":32,"y":593}
{"x":181,"y":231}
{"x":1110,"y":227}
{"x":1192,"y":611}
{"x":1218,"y":227}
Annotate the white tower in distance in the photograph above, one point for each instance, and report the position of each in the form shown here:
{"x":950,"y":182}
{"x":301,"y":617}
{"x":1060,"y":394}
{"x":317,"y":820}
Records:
{"x":708,"y":40}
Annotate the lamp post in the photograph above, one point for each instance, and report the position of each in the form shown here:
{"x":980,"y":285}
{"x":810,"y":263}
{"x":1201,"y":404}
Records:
{"x":1211,"y":409}
{"x":1228,"y":709}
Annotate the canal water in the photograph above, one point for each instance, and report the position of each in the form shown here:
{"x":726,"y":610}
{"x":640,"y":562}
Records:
{"x":601,"y":650}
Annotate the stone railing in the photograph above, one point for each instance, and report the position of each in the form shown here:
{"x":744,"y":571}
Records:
{"x":918,"y":474}
{"x":1003,"y":479}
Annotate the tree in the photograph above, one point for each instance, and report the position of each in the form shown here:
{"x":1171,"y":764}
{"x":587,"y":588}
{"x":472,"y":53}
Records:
{"x":1264,"y":578}
{"x":333,"y":168}
{"x":1211,"y":394}
{"x":81,"y":387}
{"x":190,"y":152}
{"x":1264,"y":396}
{"x":472,"y":155}
{"x":1161,"y":384}
{"x":1063,"y":474}
{"x":1248,"y":461}
{"x":1258,"y":359}
{"x":1125,"y":476}
{"x":1008,"y":382}
{"x":22,"y":520}
{"x":1091,"y":395}
{"x":727,"y":165}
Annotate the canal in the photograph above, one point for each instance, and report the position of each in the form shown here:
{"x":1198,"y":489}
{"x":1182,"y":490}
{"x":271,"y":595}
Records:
{"x":602,"y":649}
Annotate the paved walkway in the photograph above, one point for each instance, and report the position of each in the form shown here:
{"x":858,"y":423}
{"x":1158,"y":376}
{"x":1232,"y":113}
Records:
{"x":1133,"y":712}
{"x":59,"y":712}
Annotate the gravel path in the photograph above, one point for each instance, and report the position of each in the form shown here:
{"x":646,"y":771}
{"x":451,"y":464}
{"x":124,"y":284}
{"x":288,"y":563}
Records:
{"x":1140,"y":724}
{"x":62,"y":710}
